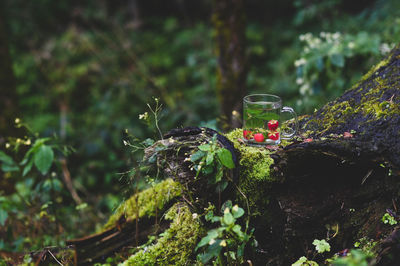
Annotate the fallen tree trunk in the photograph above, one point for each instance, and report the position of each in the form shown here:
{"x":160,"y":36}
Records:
{"x":334,"y":181}
{"x":338,"y":178}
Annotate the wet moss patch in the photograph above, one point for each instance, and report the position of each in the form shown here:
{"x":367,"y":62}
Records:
{"x":147,"y":201}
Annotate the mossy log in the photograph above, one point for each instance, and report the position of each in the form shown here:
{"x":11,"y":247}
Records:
{"x":335,"y":180}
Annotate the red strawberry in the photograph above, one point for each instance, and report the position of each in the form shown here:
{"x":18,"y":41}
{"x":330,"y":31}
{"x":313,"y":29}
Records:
{"x":273,"y":135}
{"x":247,"y":134}
{"x":259,"y":137}
{"x":273,"y":124}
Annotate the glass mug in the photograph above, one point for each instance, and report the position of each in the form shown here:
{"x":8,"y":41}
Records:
{"x":262,"y":120}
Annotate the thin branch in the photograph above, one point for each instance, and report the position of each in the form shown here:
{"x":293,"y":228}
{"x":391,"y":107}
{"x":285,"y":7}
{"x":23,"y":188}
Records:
{"x":55,"y":258}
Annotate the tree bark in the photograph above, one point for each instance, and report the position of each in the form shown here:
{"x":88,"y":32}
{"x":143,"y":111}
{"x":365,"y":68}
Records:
{"x":8,"y":96}
{"x":229,"y":23}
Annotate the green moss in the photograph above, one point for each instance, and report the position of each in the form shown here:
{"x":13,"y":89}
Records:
{"x":148,"y":200}
{"x":372,"y":71}
{"x":255,"y":172}
{"x":254,"y":160}
{"x":176,"y":245}
{"x":372,"y":104}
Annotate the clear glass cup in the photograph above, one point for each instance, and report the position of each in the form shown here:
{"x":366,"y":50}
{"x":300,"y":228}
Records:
{"x":262,"y":120}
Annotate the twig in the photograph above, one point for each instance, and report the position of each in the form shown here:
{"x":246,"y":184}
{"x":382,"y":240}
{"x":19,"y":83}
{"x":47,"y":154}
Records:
{"x":68,"y":181}
{"x":55,"y":258}
{"x":366,"y":176}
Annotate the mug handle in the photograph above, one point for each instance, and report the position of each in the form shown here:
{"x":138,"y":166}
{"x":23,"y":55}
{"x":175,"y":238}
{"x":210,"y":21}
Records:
{"x":292,"y":131}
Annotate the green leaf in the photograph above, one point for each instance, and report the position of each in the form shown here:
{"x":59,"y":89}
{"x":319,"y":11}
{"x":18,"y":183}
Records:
{"x":3,"y":217}
{"x":209,"y":215}
{"x":212,"y":234}
{"x":208,"y":169}
{"x":218,"y":175}
{"x":321,"y":245}
{"x":9,"y":168}
{"x":240,"y":250}
{"x":226,"y":204}
{"x":27,"y":168}
{"x":197,"y":155}
{"x":81,"y":206}
{"x":337,"y":60}
{"x":24,"y":161}
{"x":221,"y":186}
{"x":205,"y":147}
{"x":301,"y":261}
{"x":212,"y":251}
{"x":237,"y":211}
{"x":225,"y":158}
{"x":228,"y":218}
{"x":210,"y":158}
{"x":152,"y":158}
{"x":148,"y":142}
{"x":52,"y":184}
{"x":232,"y":255}
{"x":43,"y":159}
{"x":237,"y":229}
{"x":6,"y":159}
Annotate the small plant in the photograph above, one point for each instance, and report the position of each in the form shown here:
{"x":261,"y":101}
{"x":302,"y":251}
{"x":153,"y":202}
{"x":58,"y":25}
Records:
{"x":387,"y":218}
{"x":38,"y":194}
{"x":303,"y":261}
{"x":210,"y":160}
{"x":228,"y":241}
{"x":321,"y":246}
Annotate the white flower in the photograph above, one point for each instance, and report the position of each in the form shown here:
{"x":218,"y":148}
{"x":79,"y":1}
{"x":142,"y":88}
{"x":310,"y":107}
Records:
{"x":194,"y":215}
{"x":125,"y":142}
{"x":384,"y":48}
{"x":336,"y":35}
{"x":300,"y":62}
{"x":212,"y":241}
{"x":351,"y":45}
{"x":299,"y":81}
{"x":7,"y":145}
{"x":17,"y":120}
{"x":235,"y":208}
{"x":144,"y":116}
{"x":226,"y":210}
{"x":304,"y":89}
{"x":305,"y":37}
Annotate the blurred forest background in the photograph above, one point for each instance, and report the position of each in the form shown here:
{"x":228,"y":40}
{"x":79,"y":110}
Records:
{"x":76,"y":75}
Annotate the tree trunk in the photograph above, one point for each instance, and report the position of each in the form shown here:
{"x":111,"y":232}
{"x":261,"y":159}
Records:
{"x":335,"y":181}
{"x":229,"y":23}
{"x":8,"y":103}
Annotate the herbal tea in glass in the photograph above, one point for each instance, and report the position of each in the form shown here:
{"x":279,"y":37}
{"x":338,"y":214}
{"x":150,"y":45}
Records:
{"x":262,"y":120}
